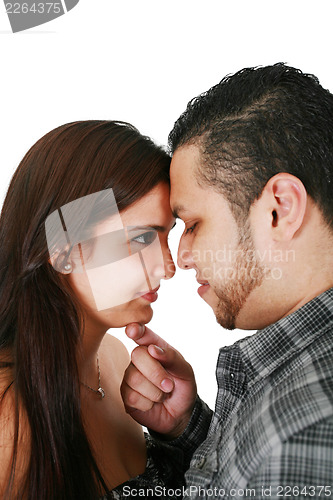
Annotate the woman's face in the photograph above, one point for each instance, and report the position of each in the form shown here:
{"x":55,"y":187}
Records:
{"x":130,"y":256}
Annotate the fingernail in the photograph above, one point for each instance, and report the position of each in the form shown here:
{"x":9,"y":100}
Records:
{"x":130,"y":329}
{"x":167,"y":385}
{"x":142,"y":329}
{"x":158,"y":349}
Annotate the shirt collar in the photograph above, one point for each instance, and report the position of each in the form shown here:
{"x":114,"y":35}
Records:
{"x":267,"y":349}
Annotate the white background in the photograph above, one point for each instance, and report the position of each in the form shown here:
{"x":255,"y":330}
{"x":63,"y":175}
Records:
{"x":141,"y":61}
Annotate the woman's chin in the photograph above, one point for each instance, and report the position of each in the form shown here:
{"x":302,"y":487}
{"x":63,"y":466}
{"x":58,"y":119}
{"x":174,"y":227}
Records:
{"x":141,"y":315}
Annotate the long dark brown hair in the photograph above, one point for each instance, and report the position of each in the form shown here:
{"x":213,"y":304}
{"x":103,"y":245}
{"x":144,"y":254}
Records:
{"x":40,"y":320}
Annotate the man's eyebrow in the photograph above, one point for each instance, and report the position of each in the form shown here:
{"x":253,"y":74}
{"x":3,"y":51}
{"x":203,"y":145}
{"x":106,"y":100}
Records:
{"x":177,"y":209}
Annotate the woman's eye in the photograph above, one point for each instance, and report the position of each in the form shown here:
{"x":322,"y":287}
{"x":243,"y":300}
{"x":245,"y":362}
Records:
{"x":190,"y":230}
{"x":144,"y":238}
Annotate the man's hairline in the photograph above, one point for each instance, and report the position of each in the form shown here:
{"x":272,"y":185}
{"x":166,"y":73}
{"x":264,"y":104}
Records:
{"x":202,"y":182}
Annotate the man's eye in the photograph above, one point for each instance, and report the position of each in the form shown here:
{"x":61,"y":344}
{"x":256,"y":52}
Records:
{"x":190,"y":230}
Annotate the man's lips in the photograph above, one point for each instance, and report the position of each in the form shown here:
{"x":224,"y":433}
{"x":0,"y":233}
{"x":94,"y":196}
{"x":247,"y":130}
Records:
{"x":203,"y":288}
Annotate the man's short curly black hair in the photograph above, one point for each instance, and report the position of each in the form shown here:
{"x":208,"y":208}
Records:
{"x":257,"y":123}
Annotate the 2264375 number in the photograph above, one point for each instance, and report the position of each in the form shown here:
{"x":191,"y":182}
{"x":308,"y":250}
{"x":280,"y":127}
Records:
{"x":303,"y":491}
{"x":35,"y":8}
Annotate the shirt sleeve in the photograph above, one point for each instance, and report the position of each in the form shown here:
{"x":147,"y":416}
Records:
{"x":300,"y":467}
{"x":194,"y":434}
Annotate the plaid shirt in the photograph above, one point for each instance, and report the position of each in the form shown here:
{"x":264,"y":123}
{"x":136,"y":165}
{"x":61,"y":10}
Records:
{"x":272,"y":431}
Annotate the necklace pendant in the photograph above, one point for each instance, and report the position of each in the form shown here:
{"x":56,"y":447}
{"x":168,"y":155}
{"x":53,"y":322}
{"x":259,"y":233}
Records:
{"x":101,"y":391}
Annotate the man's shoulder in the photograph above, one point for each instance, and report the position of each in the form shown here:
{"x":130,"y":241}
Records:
{"x":290,"y":411}
{"x":301,"y":392}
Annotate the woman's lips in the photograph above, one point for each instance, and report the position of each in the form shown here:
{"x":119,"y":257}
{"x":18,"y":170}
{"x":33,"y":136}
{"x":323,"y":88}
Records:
{"x":151,"y":296}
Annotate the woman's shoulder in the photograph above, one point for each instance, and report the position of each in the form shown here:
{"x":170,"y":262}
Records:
{"x":7,"y":429}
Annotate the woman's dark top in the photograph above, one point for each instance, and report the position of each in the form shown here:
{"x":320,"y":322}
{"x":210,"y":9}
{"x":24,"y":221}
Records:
{"x":160,"y":479}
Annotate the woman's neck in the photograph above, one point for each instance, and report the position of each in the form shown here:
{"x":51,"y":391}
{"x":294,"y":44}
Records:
{"x":88,"y":352}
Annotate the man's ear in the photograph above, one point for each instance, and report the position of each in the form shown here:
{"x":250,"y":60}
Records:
{"x":287,"y":200}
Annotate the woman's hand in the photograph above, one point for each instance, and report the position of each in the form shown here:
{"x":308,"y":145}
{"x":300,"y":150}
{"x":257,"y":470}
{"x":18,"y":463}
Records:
{"x":159,"y":388}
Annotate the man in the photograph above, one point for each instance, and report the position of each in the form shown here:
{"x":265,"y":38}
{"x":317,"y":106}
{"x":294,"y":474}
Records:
{"x":252,"y":178}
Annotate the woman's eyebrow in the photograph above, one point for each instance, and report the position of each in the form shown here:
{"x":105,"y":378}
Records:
{"x":160,"y":229}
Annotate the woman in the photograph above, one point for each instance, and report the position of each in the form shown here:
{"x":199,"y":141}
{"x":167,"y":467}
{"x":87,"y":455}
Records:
{"x":64,"y":431}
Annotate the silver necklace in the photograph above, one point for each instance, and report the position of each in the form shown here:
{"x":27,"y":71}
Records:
{"x":100,"y":391}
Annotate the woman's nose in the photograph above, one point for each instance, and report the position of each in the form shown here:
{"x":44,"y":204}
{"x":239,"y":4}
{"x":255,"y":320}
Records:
{"x":169,"y":265}
{"x":185,"y":258}
{"x":164,"y":266}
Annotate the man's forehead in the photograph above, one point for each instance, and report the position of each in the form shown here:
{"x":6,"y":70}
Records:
{"x":183,"y":180}
{"x":185,"y":158}
{"x":184,"y":165}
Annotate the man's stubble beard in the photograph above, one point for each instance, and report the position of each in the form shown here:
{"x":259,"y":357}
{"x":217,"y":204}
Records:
{"x":248,"y":274}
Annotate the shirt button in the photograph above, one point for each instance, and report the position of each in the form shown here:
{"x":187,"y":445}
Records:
{"x":201,"y":462}
{"x":232,"y":375}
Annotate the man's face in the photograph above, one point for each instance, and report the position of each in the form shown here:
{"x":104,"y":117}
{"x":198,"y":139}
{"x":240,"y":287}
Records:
{"x":222,"y":254}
